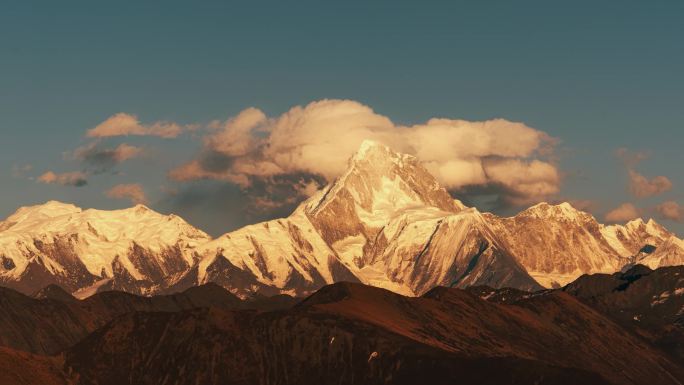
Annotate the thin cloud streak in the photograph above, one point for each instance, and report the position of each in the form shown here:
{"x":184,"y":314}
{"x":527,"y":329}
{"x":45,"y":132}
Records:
{"x":123,"y":124}
{"x":75,"y":178}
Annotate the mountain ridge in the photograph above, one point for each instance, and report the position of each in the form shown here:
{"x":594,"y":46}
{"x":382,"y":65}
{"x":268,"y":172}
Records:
{"x":354,"y":333}
{"x":385,"y":222}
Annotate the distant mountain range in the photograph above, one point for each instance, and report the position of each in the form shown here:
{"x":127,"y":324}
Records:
{"x":386,"y":222}
{"x":624,"y":328}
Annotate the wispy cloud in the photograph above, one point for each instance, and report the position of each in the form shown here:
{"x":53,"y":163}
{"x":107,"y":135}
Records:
{"x":20,"y":171}
{"x":623,"y":213}
{"x":642,"y":187}
{"x":105,"y":158}
{"x":133,"y":192}
{"x":671,"y":210}
{"x":639,"y":185}
{"x":76,"y":178}
{"x":123,"y":124}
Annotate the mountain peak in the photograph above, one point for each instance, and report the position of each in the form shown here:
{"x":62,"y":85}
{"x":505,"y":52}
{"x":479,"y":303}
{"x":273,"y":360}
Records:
{"x":367,"y":146}
{"x":54,"y":205}
{"x":380,"y":182}
{"x":48,"y":209}
{"x":651,"y":226}
{"x":376,"y":155}
{"x":636,"y":222}
{"x":547,"y":210}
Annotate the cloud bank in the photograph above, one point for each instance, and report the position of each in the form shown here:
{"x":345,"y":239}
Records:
{"x":311,"y":144}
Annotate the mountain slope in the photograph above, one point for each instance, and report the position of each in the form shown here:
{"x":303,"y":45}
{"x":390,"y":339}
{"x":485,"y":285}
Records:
{"x":601,"y":329}
{"x":649,"y":302}
{"x":558,"y":243}
{"x":134,"y":249}
{"x":355,"y":334}
{"x":21,"y":368}
{"x":56,"y":321}
{"x":385,"y":222}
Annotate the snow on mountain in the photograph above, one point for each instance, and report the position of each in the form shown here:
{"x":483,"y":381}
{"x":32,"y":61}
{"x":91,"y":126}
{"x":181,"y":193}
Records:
{"x":628,"y":239}
{"x":134,"y":249}
{"x":279,"y":256}
{"x":558,"y":243}
{"x":385,"y":222}
{"x":670,"y":252}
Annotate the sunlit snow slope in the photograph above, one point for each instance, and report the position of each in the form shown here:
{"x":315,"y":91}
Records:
{"x":385,"y":222}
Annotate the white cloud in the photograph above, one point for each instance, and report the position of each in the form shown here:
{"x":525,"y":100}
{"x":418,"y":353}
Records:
{"x":319,"y":138}
{"x":236,"y":136}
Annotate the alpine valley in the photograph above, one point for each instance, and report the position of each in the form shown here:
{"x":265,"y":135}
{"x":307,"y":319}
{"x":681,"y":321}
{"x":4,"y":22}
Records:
{"x":386,"y":222}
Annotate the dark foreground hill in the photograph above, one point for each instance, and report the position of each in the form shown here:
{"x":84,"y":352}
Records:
{"x":345,"y":334}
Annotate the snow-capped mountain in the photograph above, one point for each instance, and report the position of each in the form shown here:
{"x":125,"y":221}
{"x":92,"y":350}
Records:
{"x":558,"y":243}
{"x":385,"y":222}
{"x":135,"y":249}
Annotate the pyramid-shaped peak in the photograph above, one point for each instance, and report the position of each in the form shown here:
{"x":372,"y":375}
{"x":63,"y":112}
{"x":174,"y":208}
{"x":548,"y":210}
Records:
{"x":380,"y":182}
{"x":375,"y":151}
{"x":368,"y":146}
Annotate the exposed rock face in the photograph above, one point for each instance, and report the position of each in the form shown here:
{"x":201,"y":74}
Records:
{"x":135,"y":249}
{"x":385,"y":222}
{"x":557,"y":243}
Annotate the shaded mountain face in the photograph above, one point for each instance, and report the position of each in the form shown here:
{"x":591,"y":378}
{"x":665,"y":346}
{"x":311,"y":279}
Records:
{"x":55,"y":320}
{"x":648,"y":302}
{"x":351,"y":333}
{"x":385,"y":222}
{"x":356,"y":334}
{"x":21,"y":368}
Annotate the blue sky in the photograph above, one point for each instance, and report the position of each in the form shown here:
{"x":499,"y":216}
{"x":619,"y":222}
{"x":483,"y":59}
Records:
{"x":597,"y":76}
